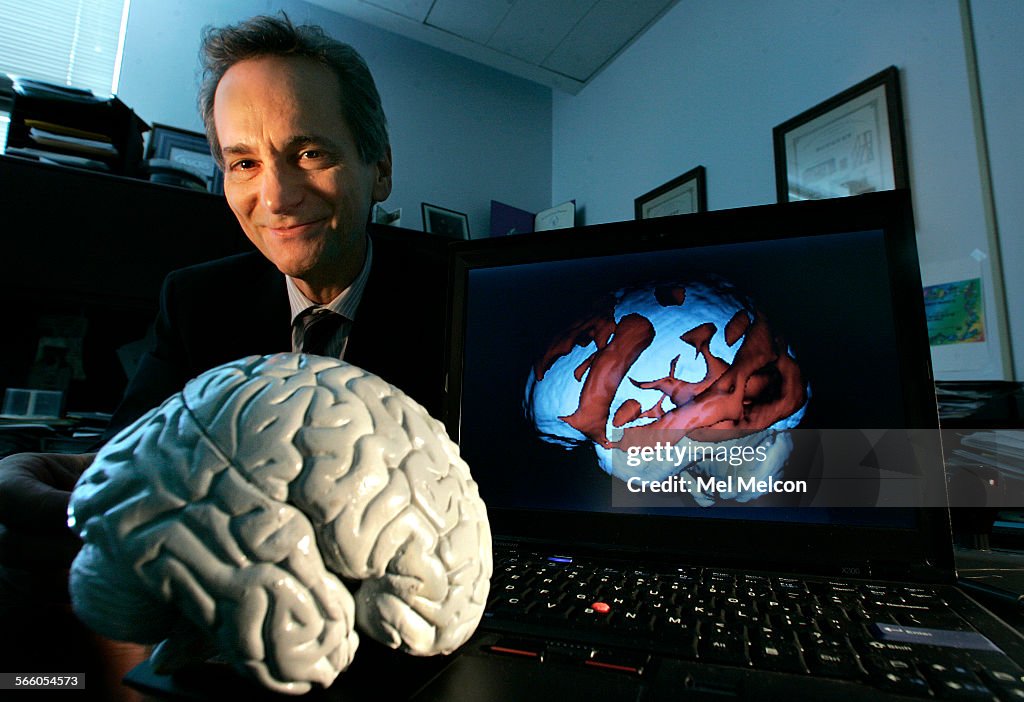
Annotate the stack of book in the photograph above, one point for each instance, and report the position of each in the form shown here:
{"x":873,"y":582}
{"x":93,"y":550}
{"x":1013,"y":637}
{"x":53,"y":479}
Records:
{"x":73,"y":127}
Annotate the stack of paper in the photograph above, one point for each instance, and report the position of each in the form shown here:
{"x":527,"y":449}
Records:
{"x":1003,"y":450}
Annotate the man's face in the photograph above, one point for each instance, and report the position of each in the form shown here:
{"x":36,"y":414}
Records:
{"x":292,"y":171}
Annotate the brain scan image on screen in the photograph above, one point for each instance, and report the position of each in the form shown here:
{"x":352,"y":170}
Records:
{"x":691,"y":364}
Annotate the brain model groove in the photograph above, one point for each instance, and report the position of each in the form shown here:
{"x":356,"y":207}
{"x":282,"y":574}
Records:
{"x":229,"y":515}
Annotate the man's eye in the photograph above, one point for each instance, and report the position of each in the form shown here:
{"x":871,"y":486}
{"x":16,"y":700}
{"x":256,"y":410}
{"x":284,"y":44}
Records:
{"x":243,"y":164}
{"x":311,"y":154}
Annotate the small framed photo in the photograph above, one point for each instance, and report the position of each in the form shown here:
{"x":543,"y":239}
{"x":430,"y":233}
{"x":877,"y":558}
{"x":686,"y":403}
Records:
{"x":558,"y":217}
{"x":685,"y":194}
{"x":440,"y":220}
{"x":852,"y":143}
{"x":188,"y":150}
{"x":388,"y":219}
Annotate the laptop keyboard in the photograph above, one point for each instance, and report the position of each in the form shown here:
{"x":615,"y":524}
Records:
{"x":830,"y":628}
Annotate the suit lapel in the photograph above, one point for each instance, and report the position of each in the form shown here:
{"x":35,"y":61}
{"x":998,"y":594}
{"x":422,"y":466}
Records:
{"x":260,"y":325}
{"x":369,"y":315}
{"x":271,"y":313}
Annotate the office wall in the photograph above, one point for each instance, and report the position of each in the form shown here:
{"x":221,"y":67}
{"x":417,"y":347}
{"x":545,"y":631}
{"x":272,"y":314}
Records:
{"x":998,"y":28}
{"x":462,"y":134}
{"x":705,"y":85}
{"x":708,"y":82}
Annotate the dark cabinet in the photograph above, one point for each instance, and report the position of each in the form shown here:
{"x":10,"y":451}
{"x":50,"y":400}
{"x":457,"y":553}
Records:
{"x":85,"y":254}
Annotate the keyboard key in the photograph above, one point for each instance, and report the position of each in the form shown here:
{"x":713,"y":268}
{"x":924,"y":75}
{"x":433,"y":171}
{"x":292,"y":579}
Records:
{"x":591,"y":618}
{"x":1000,"y":676}
{"x":956,"y":690}
{"x":905,"y":683}
{"x":833,"y":663}
{"x":723,"y":643}
{"x":514,"y":604}
{"x":554,"y":611}
{"x":632,"y":621}
{"x":956,"y":681}
{"x":932,"y":620}
{"x":681,"y":635}
{"x":780,"y":655}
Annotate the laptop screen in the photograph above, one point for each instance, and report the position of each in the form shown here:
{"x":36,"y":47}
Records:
{"x":762,"y":365}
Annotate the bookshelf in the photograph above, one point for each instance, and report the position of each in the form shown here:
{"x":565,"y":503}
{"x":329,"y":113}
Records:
{"x":92,"y":249}
{"x":74,"y":126}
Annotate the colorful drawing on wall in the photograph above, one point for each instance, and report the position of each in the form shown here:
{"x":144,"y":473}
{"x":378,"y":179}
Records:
{"x":955,"y":312}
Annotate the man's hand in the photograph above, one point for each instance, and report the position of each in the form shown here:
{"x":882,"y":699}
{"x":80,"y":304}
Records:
{"x":36,"y":550}
{"x":34,"y":493}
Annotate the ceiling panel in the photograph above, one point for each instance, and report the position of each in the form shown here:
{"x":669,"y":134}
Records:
{"x":558,"y":43}
{"x":532,"y":29}
{"x":475,"y":21}
{"x":605,"y":31}
{"x":413,"y":9}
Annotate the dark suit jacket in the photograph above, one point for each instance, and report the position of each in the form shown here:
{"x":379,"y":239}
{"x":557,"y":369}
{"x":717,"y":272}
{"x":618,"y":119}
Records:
{"x":216,"y":312}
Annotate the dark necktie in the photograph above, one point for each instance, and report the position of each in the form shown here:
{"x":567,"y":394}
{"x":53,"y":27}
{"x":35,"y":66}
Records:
{"x":318,"y":327}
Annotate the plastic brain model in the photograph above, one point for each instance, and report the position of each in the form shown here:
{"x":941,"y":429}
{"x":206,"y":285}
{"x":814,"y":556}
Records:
{"x":229,"y":515}
{"x":692,"y":364}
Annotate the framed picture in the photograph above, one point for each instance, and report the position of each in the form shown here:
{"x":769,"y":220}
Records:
{"x":388,"y":219}
{"x":850,"y":144}
{"x":558,"y":217}
{"x":186,"y":149}
{"x":685,"y":194}
{"x":440,"y":220}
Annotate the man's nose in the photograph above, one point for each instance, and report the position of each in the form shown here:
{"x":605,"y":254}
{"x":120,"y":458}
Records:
{"x":281,"y":189}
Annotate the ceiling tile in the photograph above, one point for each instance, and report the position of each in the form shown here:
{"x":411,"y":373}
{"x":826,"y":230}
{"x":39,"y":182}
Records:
{"x":605,"y":31}
{"x":475,"y":20}
{"x":413,"y":9}
{"x":532,"y":29}
{"x":559,"y":43}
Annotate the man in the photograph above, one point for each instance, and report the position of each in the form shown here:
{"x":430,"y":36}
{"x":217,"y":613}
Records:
{"x":296,"y":122}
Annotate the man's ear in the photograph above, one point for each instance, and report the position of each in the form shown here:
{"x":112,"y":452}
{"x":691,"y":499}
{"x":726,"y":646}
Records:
{"x":382,"y":183}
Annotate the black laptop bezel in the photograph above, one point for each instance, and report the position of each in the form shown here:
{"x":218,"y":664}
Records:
{"x":921,"y":554}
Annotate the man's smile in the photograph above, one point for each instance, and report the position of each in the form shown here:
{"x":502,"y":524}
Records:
{"x":296,"y":230}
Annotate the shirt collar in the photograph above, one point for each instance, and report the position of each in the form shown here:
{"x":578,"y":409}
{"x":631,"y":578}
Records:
{"x":345,"y":304}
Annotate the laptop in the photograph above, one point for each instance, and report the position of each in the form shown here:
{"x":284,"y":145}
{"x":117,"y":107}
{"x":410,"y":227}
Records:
{"x":708,"y":444}
{"x":732,"y":412}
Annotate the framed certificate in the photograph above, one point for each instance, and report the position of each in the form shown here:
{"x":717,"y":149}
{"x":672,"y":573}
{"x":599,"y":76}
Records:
{"x":684,"y":194}
{"x":558,"y":217}
{"x":850,"y":144}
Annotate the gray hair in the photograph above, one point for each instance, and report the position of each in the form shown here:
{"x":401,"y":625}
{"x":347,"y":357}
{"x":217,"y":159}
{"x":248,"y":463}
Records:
{"x":223,"y":47}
